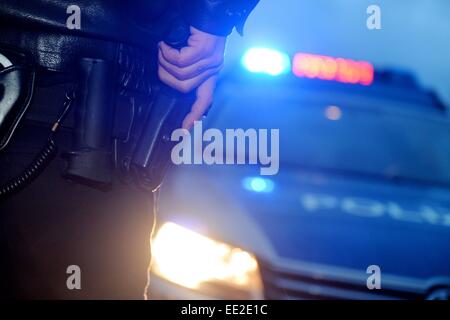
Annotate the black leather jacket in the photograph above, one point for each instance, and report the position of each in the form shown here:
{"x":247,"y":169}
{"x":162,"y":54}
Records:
{"x":218,"y":16}
{"x":132,"y":19}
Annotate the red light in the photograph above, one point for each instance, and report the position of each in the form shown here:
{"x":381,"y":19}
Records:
{"x":336,"y":69}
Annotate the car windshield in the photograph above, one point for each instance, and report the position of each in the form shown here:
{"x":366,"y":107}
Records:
{"x":349,"y":139}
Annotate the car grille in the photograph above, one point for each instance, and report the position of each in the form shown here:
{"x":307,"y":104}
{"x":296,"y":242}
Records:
{"x":281,"y":284}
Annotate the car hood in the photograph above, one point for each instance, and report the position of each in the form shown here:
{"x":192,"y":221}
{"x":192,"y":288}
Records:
{"x":316,"y":217}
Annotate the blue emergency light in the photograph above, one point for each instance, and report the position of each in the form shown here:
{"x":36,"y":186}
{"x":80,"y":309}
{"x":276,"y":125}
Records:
{"x":266,"y":61}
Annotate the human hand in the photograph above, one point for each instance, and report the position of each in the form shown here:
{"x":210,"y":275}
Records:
{"x":193,"y":67}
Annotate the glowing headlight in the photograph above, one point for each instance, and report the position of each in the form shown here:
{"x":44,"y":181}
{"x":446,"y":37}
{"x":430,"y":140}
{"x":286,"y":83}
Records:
{"x":190,"y":259}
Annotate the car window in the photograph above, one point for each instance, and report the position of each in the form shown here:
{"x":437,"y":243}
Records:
{"x":348,"y":139}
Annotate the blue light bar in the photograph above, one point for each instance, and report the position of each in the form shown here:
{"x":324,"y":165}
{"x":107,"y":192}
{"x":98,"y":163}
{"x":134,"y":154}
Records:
{"x":266,"y":61}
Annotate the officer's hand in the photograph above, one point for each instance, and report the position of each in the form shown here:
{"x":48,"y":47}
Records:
{"x":193,"y":67}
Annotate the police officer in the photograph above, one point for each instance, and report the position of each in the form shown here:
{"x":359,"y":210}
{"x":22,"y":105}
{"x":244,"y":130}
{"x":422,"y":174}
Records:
{"x":53,"y":226}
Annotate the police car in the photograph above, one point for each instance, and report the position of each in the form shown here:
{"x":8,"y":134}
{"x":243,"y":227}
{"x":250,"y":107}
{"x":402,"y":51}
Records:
{"x":360,"y":207}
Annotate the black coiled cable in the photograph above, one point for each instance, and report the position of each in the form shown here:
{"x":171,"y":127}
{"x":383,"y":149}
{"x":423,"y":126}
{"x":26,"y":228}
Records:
{"x":42,"y":160}
{"x":37,"y":166}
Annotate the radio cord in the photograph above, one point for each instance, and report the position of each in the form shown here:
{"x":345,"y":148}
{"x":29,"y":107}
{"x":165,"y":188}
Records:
{"x":42,"y":159}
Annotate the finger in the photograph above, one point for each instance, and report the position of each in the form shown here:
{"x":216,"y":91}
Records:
{"x":184,"y":57}
{"x":192,"y":70}
{"x":205,"y":93}
{"x":185,"y":86}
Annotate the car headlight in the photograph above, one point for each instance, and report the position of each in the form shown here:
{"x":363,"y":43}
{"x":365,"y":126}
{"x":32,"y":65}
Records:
{"x":194,"y":261}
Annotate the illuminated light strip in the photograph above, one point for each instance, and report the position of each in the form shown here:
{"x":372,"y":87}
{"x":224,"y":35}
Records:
{"x":267,"y":61}
{"x":334,"y":69}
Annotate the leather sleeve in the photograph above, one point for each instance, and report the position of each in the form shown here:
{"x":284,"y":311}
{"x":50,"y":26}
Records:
{"x":218,"y":17}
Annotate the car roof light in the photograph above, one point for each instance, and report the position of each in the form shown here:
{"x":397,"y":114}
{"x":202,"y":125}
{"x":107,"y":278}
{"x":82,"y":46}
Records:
{"x":266,"y":61}
{"x":334,"y":69}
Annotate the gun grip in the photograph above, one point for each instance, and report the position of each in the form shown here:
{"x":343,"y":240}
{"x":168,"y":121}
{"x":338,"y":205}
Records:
{"x":151,"y":156}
